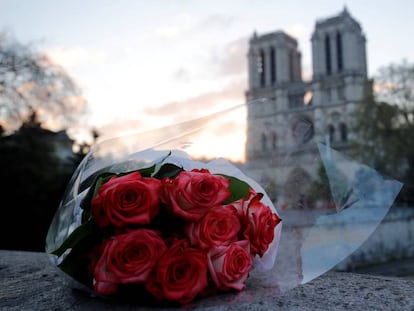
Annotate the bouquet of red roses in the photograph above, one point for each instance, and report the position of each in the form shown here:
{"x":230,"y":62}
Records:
{"x":172,"y":232}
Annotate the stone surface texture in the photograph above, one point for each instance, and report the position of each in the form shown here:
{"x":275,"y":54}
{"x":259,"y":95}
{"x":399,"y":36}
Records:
{"x":30,"y":282}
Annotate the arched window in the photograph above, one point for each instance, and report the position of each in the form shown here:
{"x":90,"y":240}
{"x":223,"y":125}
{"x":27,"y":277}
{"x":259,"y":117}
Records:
{"x":343,"y":132}
{"x":264,"y":142}
{"x":328,"y":55}
{"x":331,"y":132}
{"x":261,"y":68}
{"x":274,"y":140}
{"x":291,"y":66}
{"x":273,"y":65}
{"x":339,"y":52}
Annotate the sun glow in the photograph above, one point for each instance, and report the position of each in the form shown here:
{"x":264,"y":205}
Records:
{"x":218,"y":135}
{"x":225,"y":138}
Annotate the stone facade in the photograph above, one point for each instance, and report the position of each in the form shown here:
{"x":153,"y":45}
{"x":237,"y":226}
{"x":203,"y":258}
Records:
{"x":286,"y":114}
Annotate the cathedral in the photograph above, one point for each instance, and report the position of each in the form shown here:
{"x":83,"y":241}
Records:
{"x":286,"y":115}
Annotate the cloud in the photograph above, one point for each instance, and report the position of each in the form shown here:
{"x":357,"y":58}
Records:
{"x":232,"y":59}
{"x":217,"y":21}
{"x":205,"y":125}
{"x":184,"y":24}
{"x":216,"y":135}
{"x":169,"y":32}
{"x":118,"y":128}
{"x":200,"y":105}
{"x":228,"y":126}
{"x":180,"y":25}
{"x":182,"y":75}
{"x":223,"y":62}
{"x":180,"y":111}
{"x":75,"y":56}
{"x":298,"y":31}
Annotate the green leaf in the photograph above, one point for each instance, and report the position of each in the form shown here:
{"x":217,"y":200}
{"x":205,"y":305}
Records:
{"x":168,"y":170}
{"x":75,"y":237}
{"x":158,"y":165}
{"x":238,"y":189}
{"x":147,"y":172}
{"x":103,"y":178}
{"x":76,"y":262}
{"x":86,"y":216}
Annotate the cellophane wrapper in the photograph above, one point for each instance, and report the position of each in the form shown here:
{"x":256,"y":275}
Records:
{"x":322,"y":220}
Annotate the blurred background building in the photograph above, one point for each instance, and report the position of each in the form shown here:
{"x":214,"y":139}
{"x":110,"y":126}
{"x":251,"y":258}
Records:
{"x":286,"y":112}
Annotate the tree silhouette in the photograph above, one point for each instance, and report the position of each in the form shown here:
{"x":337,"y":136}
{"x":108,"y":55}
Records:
{"x":36,"y":162}
{"x":30,"y":80}
{"x":33,"y":180}
{"x":385,"y":126}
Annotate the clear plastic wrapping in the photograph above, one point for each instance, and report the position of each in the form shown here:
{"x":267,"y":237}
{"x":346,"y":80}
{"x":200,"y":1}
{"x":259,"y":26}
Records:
{"x":323,"y":217}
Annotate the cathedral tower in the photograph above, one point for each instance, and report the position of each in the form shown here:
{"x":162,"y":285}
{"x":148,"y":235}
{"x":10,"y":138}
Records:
{"x":339,"y":75}
{"x":338,"y":47}
{"x":273,"y":59}
{"x":275,"y":85}
{"x":285,"y":111}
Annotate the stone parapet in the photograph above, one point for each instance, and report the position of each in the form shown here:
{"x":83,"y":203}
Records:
{"x":30,"y":282}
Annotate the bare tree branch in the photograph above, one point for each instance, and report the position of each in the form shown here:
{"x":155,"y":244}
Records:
{"x":30,"y":80}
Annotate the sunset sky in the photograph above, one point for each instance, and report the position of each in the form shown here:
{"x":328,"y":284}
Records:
{"x":146,"y":64}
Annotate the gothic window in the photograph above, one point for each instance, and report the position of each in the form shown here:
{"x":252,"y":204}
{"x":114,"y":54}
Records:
{"x":274,"y":140}
{"x":328,"y":55}
{"x":291,"y":66}
{"x":339,"y":52}
{"x":264,"y":142}
{"x":343,"y":132}
{"x":273,"y":65}
{"x":331,"y":132}
{"x":261,"y":68}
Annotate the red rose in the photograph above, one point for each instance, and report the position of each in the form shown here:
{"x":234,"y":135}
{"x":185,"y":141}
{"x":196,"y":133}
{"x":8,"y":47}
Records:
{"x":260,"y":225}
{"x":181,"y":274}
{"x":126,"y":200}
{"x":191,"y":194}
{"x":229,"y":266}
{"x":219,"y":226}
{"x":127,"y":258}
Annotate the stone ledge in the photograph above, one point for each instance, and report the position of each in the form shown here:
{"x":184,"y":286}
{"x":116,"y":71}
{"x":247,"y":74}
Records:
{"x":30,"y":282}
